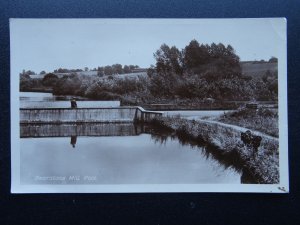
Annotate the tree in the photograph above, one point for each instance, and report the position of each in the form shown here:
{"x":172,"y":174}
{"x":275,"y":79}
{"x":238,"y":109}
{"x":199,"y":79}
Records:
{"x":151,"y":71}
{"x":131,"y":67}
{"x":28,"y":72}
{"x":50,"y":80}
{"x":68,"y":85}
{"x":117,"y":68}
{"x":273,"y":59}
{"x":195,"y":56}
{"x":223,"y":62}
{"x":100,"y":71}
{"x":42,"y":72}
{"x":126,"y":69}
{"x":168,"y":60}
{"x":108,"y":70}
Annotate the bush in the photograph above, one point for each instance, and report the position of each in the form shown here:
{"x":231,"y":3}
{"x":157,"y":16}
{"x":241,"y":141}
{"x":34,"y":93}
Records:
{"x":50,"y":80}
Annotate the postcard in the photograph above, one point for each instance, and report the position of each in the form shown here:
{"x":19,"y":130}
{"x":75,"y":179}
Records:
{"x":149,"y":105}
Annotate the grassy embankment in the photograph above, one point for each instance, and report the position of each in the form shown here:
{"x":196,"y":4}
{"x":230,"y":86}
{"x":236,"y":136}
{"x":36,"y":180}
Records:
{"x":263,"y":120}
{"x":264,"y":165}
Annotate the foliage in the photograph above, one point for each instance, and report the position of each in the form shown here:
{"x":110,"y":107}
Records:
{"x":68,"y":85}
{"x":206,"y":71}
{"x":28,"y":72}
{"x":213,"y":61}
{"x":115,"y":69}
{"x":49,"y":80}
{"x":62,"y":70}
{"x":193,"y":74}
{"x":168,"y":60}
{"x":108,"y":70}
{"x":273,"y":59}
{"x":28,"y":84}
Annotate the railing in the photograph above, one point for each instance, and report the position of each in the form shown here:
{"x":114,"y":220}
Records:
{"x":143,"y":115}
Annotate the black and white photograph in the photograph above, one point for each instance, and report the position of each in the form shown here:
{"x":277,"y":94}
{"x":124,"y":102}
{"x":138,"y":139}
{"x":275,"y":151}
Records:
{"x":148,"y":105}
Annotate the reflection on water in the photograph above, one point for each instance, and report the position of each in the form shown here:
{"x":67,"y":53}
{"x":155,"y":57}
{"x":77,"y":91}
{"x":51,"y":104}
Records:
{"x":152,"y":157}
{"x":81,"y":129}
{"x":73,"y":141}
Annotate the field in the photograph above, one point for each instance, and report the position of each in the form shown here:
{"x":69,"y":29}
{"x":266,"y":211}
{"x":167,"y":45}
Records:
{"x":252,"y":68}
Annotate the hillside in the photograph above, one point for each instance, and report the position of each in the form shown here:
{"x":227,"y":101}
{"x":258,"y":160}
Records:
{"x":127,"y":75}
{"x":92,"y":73}
{"x":249,"y":68}
{"x":254,"y":68}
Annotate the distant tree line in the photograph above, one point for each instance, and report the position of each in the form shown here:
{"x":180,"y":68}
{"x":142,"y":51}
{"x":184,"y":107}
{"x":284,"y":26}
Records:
{"x":101,"y":70}
{"x":271,"y":60}
{"x":27,"y":73}
{"x":61,"y":70}
{"x":115,"y":69}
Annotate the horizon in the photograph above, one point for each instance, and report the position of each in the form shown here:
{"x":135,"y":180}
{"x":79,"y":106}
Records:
{"x":49,"y":44}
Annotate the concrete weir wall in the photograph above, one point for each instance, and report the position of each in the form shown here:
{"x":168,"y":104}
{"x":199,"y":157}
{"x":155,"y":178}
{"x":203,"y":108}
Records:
{"x":86,"y":115}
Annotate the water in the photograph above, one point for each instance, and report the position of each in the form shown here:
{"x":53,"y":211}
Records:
{"x":48,"y":100}
{"x":115,"y":154}
{"x":136,"y":159}
{"x":197,"y":114}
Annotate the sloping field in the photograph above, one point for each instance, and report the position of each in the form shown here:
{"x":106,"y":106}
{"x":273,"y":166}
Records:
{"x":249,"y":68}
{"x":252,"y":68}
{"x":129,"y":75}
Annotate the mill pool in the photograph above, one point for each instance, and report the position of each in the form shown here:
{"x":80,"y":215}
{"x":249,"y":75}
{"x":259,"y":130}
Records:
{"x":114,"y":154}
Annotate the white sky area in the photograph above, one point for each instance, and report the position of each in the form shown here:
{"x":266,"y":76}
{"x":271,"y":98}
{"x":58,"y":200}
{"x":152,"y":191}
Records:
{"x":48,"y":44}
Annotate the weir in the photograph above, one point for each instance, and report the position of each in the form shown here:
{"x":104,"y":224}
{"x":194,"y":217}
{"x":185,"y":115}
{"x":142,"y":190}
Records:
{"x":86,"y":115}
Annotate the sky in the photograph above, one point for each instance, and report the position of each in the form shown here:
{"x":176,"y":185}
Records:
{"x":48,"y":44}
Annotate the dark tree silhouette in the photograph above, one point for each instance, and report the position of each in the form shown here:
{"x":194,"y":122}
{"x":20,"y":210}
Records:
{"x":50,"y":80}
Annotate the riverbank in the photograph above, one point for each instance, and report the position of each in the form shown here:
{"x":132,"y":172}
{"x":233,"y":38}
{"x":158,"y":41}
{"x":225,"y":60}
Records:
{"x":263,"y":165}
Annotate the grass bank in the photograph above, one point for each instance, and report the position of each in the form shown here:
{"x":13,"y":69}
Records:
{"x":264,"y":165}
{"x":263,"y":119}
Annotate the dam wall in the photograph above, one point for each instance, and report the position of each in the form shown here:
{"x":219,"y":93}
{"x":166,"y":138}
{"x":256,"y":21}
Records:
{"x":86,"y":115}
